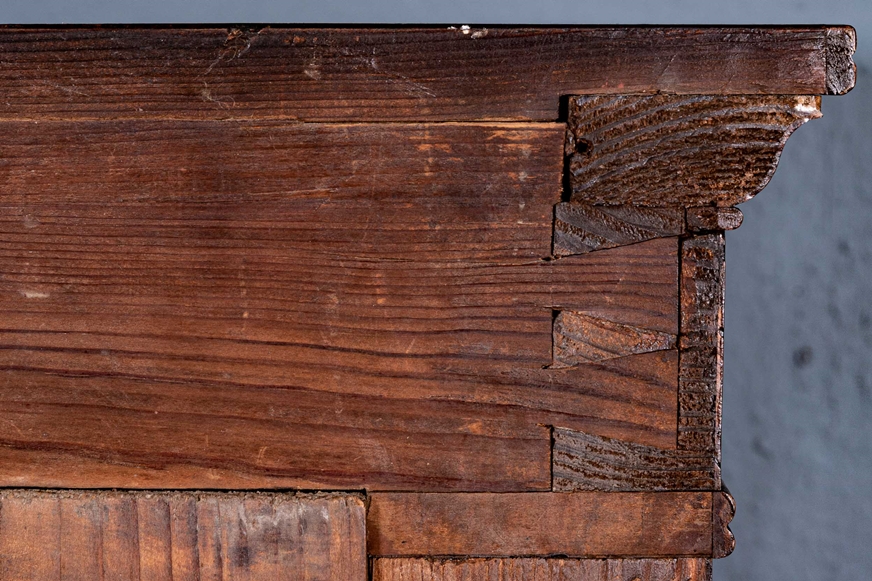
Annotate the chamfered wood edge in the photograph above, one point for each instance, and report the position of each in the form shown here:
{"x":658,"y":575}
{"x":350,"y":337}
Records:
{"x":841,"y":70}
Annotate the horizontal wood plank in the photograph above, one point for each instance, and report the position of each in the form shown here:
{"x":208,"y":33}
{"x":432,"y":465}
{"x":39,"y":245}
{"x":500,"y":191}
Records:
{"x":435,"y":74}
{"x":188,"y":304}
{"x":541,"y":569}
{"x":574,"y":524}
{"x":70,"y":535}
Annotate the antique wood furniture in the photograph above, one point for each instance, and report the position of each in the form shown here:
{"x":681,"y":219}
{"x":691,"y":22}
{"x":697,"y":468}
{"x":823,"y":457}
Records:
{"x":428,"y":304}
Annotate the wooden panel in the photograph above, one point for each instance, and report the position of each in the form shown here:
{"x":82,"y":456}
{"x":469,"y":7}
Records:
{"x":189,"y":304}
{"x":587,"y":462}
{"x":532,"y":569}
{"x":181,"y":537}
{"x":668,"y":150}
{"x":575,"y":524}
{"x":397,"y":73}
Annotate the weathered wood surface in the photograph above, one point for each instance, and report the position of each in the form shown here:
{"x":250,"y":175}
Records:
{"x":581,"y":227}
{"x":533,"y":569}
{"x":701,"y":343}
{"x":581,"y":338}
{"x":679,"y":151}
{"x":70,"y":536}
{"x":222,"y":304}
{"x":574,"y":524}
{"x":354,"y":74}
{"x":587,"y":462}
{"x":710,"y":218}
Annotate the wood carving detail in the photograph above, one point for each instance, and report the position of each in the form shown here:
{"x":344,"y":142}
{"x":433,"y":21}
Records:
{"x":581,"y":338}
{"x":723,"y":511}
{"x":535,"y":569}
{"x":678,"y":151}
{"x":588,"y":462}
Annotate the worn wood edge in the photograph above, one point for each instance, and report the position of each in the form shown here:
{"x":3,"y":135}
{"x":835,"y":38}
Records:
{"x":801,"y":69}
{"x":841,"y":70}
{"x":588,"y":462}
{"x":713,"y":218}
{"x":540,"y":569}
{"x":627,"y":124}
{"x":723,"y":511}
{"x":585,"y":524}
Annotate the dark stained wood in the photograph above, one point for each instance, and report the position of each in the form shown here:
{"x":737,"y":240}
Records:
{"x":841,"y":70}
{"x":575,"y":524}
{"x":701,"y":343}
{"x":580,"y":338}
{"x":669,"y":150}
{"x":68,"y":535}
{"x":581,"y":228}
{"x":237,"y":305}
{"x":355,"y":74}
{"x":724,"y":509}
{"x":533,"y":569}
{"x":711,"y":218}
{"x":587,"y":462}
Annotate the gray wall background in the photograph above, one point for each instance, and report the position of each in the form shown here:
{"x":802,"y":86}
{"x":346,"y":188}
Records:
{"x":798,"y":389}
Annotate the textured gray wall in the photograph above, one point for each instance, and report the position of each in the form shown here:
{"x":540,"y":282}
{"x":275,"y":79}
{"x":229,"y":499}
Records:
{"x":798,"y":388}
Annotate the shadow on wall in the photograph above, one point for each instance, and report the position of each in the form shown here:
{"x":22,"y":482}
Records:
{"x":798,"y":384}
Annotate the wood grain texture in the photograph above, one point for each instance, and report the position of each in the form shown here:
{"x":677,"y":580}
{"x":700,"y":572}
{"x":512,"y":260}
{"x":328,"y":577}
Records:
{"x":533,"y":569}
{"x":355,"y":74}
{"x":841,"y":70}
{"x":581,"y":228}
{"x":575,"y":524}
{"x":580,"y":338}
{"x":701,"y":343}
{"x":724,"y":509}
{"x":587,"y":462}
{"x":672,"y":150}
{"x":237,"y":305}
{"x":69,"y":535}
{"x":709,"y":218}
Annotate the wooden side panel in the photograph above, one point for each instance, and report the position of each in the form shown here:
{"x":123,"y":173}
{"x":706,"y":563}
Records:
{"x":680,"y":151}
{"x":181,"y":537}
{"x":587,"y":462}
{"x":575,"y":524}
{"x":532,"y":569}
{"x":228,"y":305}
{"x":397,"y":73}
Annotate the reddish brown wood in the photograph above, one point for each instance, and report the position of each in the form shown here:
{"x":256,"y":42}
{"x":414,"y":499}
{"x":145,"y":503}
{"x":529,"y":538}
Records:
{"x":533,"y":569}
{"x":581,"y":228}
{"x":71,"y":535}
{"x":679,"y":151}
{"x":587,"y":462}
{"x":724,"y":509}
{"x":579,"y":524}
{"x":220,"y":304}
{"x":439,"y":73}
{"x":580,"y":338}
